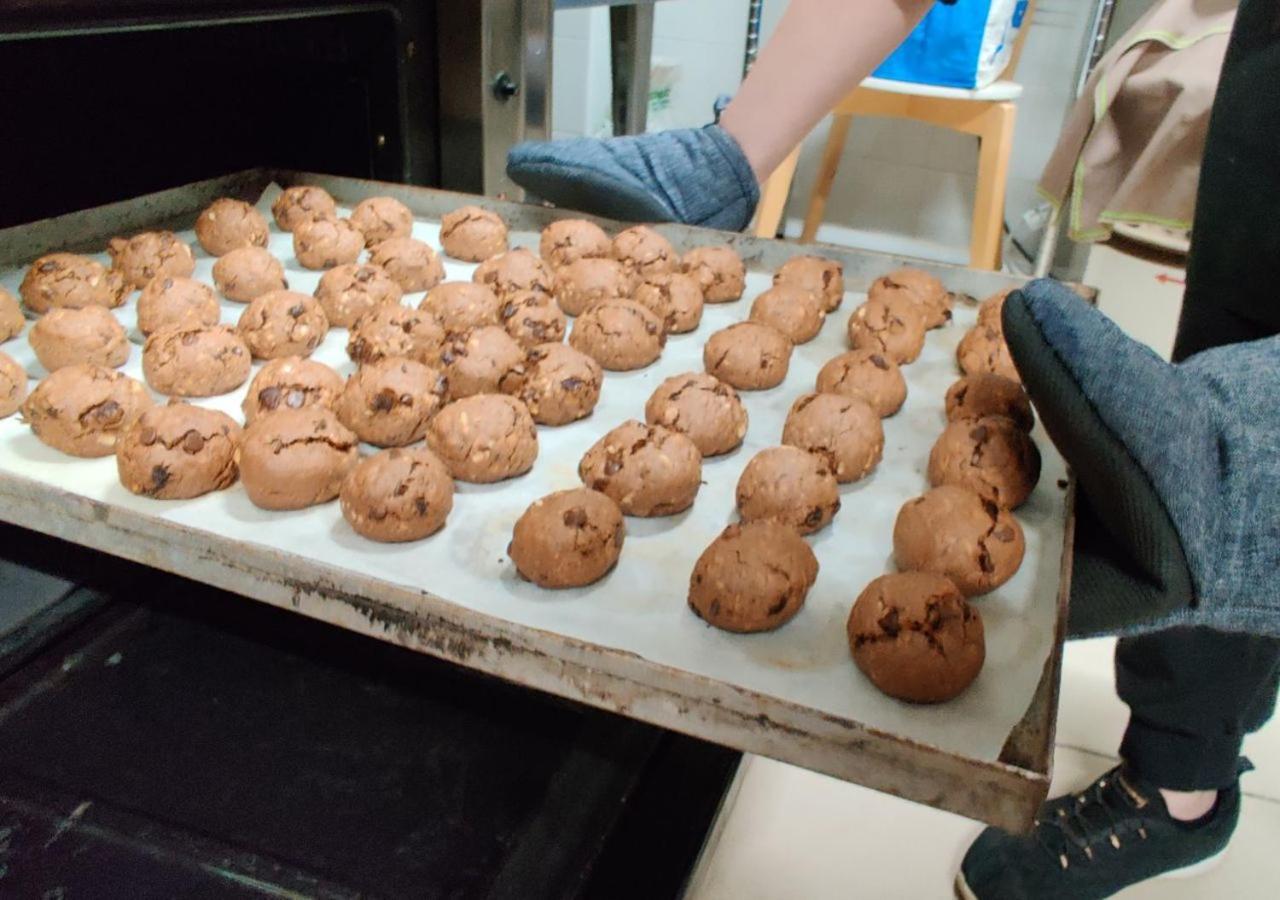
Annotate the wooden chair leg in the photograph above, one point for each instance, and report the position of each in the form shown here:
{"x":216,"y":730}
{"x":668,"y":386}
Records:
{"x":773,"y":197}
{"x":995,"y":147}
{"x":826,"y":175}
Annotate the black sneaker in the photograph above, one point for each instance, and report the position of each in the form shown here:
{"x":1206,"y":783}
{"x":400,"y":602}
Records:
{"x":1086,"y":846}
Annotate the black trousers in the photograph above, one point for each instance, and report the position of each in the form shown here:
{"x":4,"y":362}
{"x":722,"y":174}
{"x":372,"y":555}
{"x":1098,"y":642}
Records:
{"x":1193,"y":693}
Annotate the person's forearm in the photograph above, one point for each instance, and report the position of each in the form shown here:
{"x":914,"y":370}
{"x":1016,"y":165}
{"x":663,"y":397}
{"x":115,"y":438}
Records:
{"x":820,"y":51}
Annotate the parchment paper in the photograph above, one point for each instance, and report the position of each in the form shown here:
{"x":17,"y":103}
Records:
{"x":641,"y":607}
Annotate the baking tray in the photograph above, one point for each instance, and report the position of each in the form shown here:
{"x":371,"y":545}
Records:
{"x":626,"y":644}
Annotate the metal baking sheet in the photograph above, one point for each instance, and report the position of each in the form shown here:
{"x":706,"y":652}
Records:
{"x":628,"y":642}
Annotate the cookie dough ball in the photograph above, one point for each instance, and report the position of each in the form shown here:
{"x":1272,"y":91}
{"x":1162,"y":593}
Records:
{"x":413,"y":264}
{"x":246,"y":273}
{"x":792,"y":310}
{"x":702,"y":407}
{"x":789,"y":486}
{"x":924,"y":288}
{"x":844,"y":431}
{"x":178,"y":451}
{"x":647,"y":469}
{"x":983,"y":349}
{"x":473,"y":234}
{"x":348,"y":292}
{"x":483,"y":361}
{"x":462,"y":305}
{"x":568,"y":240}
{"x":533,"y":318}
{"x":673,"y":297}
{"x":227,"y":224}
{"x":952,"y":531}
{"x":296,"y":205}
{"x":719,"y":271}
{"x":389,"y":403}
{"x":82,"y":410}
{"x":818,"y":275}
{"x":991,"y":456}
{"x":65,"y":337}
{"x":582,"y":284}
{"x":381,"y":219}
{"x":753,"y":577}
{"x":13,"y":385}
{"x":70,"y":280}
{"x":915,"y":637}
{"x":619,"y":334}
{"x":991,"y":310}
{"x":176,"y":301}
{"x":290,"y":383}
{"x":283,"y":323}
{"x":561,"y":385}
{"x":515,"y":270}
{"x":867,"y":375}
{"x":397,"y":495}
{"x":984,"y":394}
{"x":152,"y":254}
{"x":295,"y":458}
{"x":893,"y":325}
{"x":11,"y":319}
{"x":395,"y":330}
{"x":644,"y":252}
{"x":327,"y":242}
{"x":195,"y":361}
{"x":568,"y":539}
{"x":485,"y":438}
{"x":749,"y":356}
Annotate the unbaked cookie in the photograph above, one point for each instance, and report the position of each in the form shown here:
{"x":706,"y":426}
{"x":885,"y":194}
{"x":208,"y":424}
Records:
{"x":71,"y":280}
{"x":792,"y":310}
{"x":991,"y":456}
{"x":619,"y":334}
{"x":178,"y":451}
{"x":789,"y":486}
{"x":566,"y":240}
{"x":13,"y":385}
{"x":473,"y":234}
{"x":644,"y":252}
{"x":561,"y":385}
{"x":413,"y":264}
{"x":749,"y":356}
{"x":325,"y":242}
{"x":924,"y":288}
{"x":753,"y":577}
{"x":701,"y":407}
{"x":485,"y":438}
{"x":567,"y":539}
{"x":151,"y":254}
{"x":296,"y":205}
{"x":845,"y":431}
{"x":348,"y":292}
{"x":515,"y":270}
{"x":533,"y":318}
{"x":868,"y":375}
{"x":195,"y":361}
{"x":462,"y":305}
{"x":381,"y":219}
{"x":248,"y":272}
{"x":12,"y":321}
{"x":674,"y":297}
{"x":647,"y":469}
{"x":719,"y":271}
{"x":952,"y":531}
{"x":582,"y":284}
{"x":295,"y":458}
{"x":983,"y":349}
{"x":818,"y":275}
{"x":290,"y":382}
{"x":227,"y":223}
{"x":483,"y":361}
{"x":176,"y":301}
{"x":985,"y":394}
{"x":283,"y":323}
{"x":395,"y":330}
{"x":389,"y":403}
{"x":891,"y":324}
{"x":404,"y":494}
{"x":82,"y":410}
{"x":917,"y":639}
{"x":65,"y":337}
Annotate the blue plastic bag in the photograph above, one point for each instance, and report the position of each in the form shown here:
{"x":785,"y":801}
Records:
{"x":965,"y":45}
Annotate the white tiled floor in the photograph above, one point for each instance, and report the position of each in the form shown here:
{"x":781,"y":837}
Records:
{"x":790,"y":834}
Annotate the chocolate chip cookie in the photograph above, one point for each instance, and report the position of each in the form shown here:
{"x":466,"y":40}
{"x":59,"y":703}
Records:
{"x":753,"y":577}
{"x":749,"y":356}
{"x":296,"y":205}
{"x":66,"y":337}
{"x":290,"y":382}
{"x":381,"y":219}
{"x":991,"y":456}
{"x":644,"y":251}
{"x":178,"y":451}
{"x":719,"y":271}
{"x":283,"y":323}
{"x":985,"y":394}
{"x":820,"y":276}
{"x":394,"y":330}
{"x":867,"y":374}
{"x":619,"y":334}
{"x":227,"y":223}
{"x":246,"y":273}
{"x":567,"y":240}
{"x":151,"y":254}
{"x":533,"y":318}
{"x":326,"y":242}
{"x":176,"y":301}
{"x":348,"y":292}
{"x":484,"y":438}
{"x":561,"y":385}
{"x":844,"y":431}
{"x":412,"y":263}
{"x":82,"y":410}
{"x":647,"y":469}
{"x":701,"y":407}
{"x":789,"y":486}
{"x":71,"y":280}
{"x":403,"y":494}
{"x":195,"y":361}
{"x":792,"y":310}
{"x":295,"y":458}
{"x":473,"y":234}
{"x":952,"y":531}
{"x":389,"y":403}
{"x":567,"y":539}
{"x":483,"y":361}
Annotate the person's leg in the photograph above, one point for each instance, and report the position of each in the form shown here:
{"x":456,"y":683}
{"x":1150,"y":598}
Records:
{"x":711,"y":176}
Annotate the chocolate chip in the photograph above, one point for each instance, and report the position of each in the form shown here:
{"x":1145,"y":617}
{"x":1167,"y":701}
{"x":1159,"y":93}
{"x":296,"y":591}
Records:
{"x":600,"y":484}
{"x":46,"y":267}
{"x":364,"y":274}
{"x":508,"y":310}
{"x":572,"y":383}
{"x":109,"y":413}
{"x":159,"y":476}
{"x":778,"y":606}
{"x":192,"y":442}
{"x":401,"y":489}
{"x":384,"y":400}
{"x":889,"y":623}
{"x":167,"y":284}
{"x":980,"y":434}
{"x":991,"y":509}
{"x":1005,"y":534}
{"x":879,"y":362}
{"x":814,"y":517}
{"x":420,"y":504}
{"x":269,"y":397}
{"x":297,"y":310}
{"x":576,"y":517}
{"x":612,"y":466}
{"x":147,"y":437}
{"x":984,"y":561}
{"x":190,"y":338}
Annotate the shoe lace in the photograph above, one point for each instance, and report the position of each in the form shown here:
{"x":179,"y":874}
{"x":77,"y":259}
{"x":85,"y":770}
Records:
{"x":1100,"y":814}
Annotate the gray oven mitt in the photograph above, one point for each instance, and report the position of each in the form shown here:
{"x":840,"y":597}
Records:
{"x":1179,"y":467}
{"x":697,"y":176}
